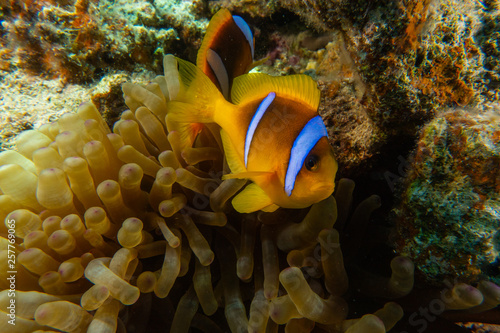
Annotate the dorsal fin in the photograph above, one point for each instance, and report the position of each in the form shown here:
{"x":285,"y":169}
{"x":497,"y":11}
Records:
{"x":226,"y":51}
{"x":257,"y":86}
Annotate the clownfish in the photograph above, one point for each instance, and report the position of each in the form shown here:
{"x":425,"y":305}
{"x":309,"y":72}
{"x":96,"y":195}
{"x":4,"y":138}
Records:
{"x":227,"y":50}
{"x":270,"y":129}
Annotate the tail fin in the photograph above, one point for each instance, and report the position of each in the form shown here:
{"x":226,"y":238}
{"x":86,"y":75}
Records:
{"x":193,"y":97}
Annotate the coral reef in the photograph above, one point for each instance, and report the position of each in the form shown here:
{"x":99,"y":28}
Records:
{"x":113,"y":230}
{"x":81,"y":40}
{"x":451,"y":202}
{"x":253,"y":8}
{"x":488,"y":42}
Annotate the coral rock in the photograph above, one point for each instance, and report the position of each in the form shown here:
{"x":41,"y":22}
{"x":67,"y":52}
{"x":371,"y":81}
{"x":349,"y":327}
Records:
{"x":450,"y":215}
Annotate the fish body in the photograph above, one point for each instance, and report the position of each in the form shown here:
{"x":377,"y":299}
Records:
{"x":271,"y":133}
{"x":269,"y":126}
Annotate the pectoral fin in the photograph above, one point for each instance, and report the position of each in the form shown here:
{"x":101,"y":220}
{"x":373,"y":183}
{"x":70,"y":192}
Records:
{"x":233,"y":160}
{"x":251,"y":199}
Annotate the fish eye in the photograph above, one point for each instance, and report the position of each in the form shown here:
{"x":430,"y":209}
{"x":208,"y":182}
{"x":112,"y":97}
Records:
{"x":312,"y":162}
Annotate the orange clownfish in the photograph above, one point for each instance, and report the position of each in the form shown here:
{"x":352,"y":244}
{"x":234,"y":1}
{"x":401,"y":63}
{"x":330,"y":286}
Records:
{"x":227,"y":50}
{"x":271,"y":132}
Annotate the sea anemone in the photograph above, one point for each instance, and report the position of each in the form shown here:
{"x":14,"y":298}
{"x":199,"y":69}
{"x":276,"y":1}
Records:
{"x":99,"y":221}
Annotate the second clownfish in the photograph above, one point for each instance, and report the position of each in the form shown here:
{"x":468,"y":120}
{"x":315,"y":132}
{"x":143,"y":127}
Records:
{"x":271,"y":131}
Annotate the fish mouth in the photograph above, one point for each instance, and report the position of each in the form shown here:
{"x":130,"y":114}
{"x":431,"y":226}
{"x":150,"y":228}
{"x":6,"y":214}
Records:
{"x":316,"y":193}
{"x":323,"y":187}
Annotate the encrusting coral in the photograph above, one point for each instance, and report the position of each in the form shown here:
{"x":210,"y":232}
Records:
{"x":100,"y":221}
{"x":80,"y":40}
{"x":454,"y":181}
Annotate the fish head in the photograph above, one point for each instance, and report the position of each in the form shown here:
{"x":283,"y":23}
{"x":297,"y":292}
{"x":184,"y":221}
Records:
{"x":316,"y":178}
